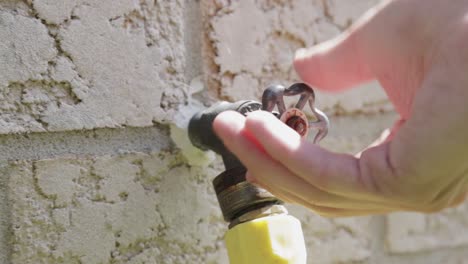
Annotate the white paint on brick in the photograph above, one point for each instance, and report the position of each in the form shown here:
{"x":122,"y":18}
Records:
{"x":113,"y":209}
{"x":53,"y":12}
{"x":243,"y":87}
{"x":344,"y":12}
{"x":125,"y":74}
{"x":21,"y":60}
{"x":254,"y":43}
{"x":333,"y":241}
{"x":116,"y":63}
{"x":25,"y":52}
{"x":366,"y":98}
{"x":413,"y":232}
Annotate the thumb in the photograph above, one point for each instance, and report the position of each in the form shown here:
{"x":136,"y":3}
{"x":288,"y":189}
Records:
{"x":340,"y":174}
{"x":338,"y":63}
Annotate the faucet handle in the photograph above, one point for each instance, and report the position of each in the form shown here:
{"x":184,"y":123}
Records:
{"x":295,"y":117}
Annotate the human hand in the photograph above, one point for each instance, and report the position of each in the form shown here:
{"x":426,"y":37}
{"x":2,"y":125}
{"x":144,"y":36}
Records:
{"x":417,"y":50}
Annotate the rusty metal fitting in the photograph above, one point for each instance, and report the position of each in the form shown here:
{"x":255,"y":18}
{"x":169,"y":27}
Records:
{"x":237,"y":197}
{"x":297,"y":120}
{"x":298,"y":125}
{"x":239,"y":200}
{"x":273,"y":97}
{"x":268,"y":210}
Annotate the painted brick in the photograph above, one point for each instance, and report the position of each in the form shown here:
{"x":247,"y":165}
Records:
{"x":413,"y":232}
{"x":88,"y":64}
{"x":121,"y":209}
{"x":334,"y":240}
{"x":251,"y":45}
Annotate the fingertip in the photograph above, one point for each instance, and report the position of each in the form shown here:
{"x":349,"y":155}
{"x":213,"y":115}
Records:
{"x":306,"y":65}
{"x":228,"y":123}
{"x":270,"y":130}
{"x":333,"y":65}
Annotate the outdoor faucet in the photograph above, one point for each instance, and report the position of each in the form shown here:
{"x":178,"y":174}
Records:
{"x":260,"y":228}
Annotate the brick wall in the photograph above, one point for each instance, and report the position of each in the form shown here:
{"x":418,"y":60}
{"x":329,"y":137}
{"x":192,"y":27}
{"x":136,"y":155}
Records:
{"x":95,"y":165}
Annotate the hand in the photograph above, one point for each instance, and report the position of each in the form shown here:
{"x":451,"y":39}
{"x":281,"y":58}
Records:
{"x":417,"y":50}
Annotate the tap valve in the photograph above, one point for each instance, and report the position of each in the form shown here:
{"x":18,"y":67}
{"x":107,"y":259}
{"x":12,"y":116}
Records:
{"x":295,"y":117}
{"x":260,"y":229}
{"x":235,"y":195}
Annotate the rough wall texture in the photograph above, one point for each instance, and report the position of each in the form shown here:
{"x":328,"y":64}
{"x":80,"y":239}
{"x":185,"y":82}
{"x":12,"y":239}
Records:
{"x":101,"y":92}
{"x":90,"y":64}
{"x":118,"y":209}
{"x":251,"y":45}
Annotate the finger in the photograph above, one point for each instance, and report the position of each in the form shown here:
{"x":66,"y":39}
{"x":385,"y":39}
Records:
{"x":269,"y":173}
{"x":429,"y":149}
{"x":338,"y":63}
{"x":335,"y":173}
{"x":280,"y":181}
{"x":452,"y":194}
{"x":325,"y":211}
{"x":329,"y":212}
{"x":333,"y":65}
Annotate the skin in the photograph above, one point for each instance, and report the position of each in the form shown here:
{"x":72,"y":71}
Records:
{"x":418,"y":51}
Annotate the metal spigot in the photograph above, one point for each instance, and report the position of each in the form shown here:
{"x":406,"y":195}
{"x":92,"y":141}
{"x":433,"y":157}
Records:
{"x":236,"y":196}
